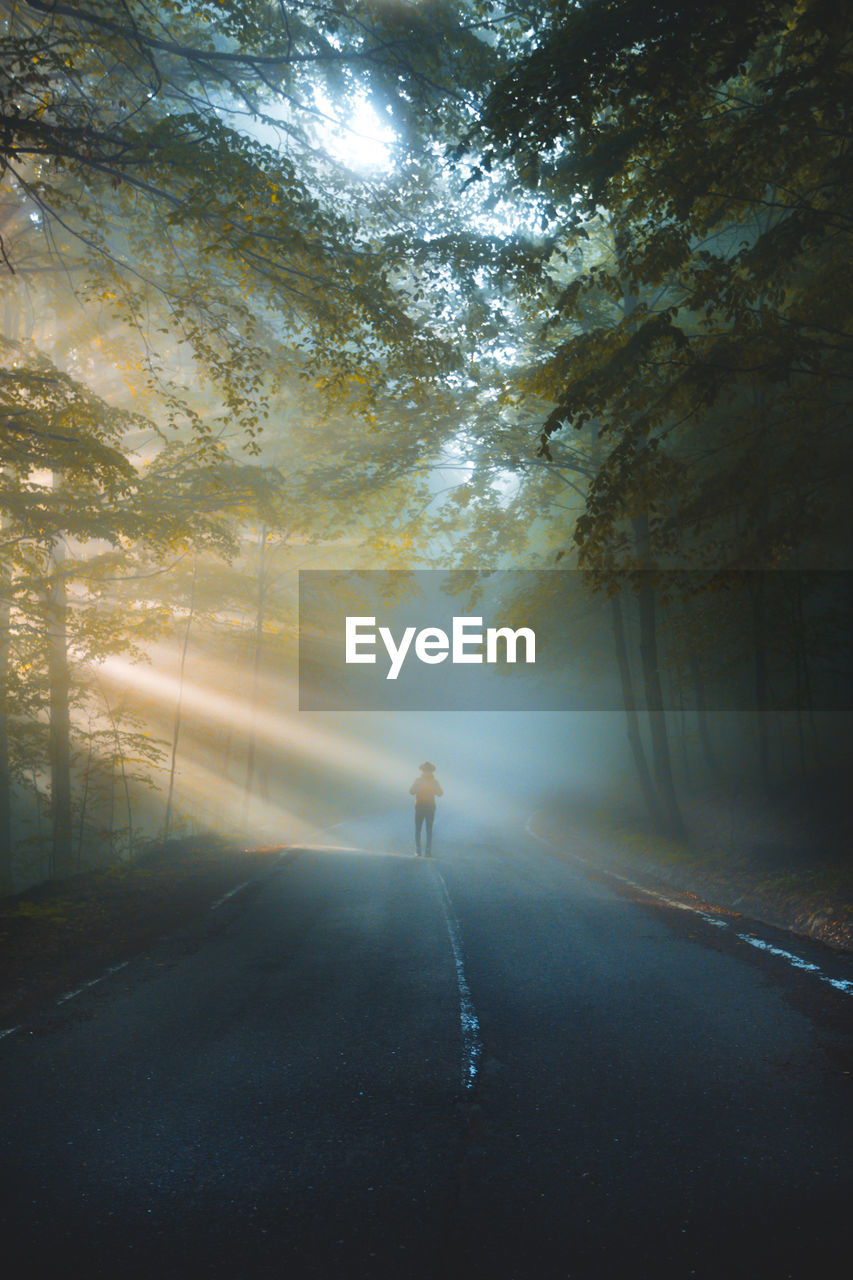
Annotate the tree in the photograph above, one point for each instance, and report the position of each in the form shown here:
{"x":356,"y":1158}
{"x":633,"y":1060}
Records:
{"x":714,"y":136}
{"x":172,"y":161}
{"x":80,"y":515}
{"x":711,"y":140}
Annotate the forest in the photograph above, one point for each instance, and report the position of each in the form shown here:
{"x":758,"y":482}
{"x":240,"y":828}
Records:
{"x":555,"y":285}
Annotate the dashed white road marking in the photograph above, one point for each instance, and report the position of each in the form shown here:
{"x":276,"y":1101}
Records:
{"x":84,"y":986}
{"x":472,"y":1045}
{"x":69,"y":995}
{"x":230,"y":894}
{"x":93,"y":982}
{"x":114,"y":968}
{"x":840,"y":984}
{"x":796,"y":962}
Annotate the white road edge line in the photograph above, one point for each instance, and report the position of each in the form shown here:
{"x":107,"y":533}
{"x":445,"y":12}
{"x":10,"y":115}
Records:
{"x":472,"y":1045}
{"x":84,"y":986}
{"x":230,"y":894}
{"x":796,"y":962}
{"x":114,"y":968}
{"x":69,"y":995}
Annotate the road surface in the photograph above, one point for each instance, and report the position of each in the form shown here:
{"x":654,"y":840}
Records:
{"x":491,"y":1064}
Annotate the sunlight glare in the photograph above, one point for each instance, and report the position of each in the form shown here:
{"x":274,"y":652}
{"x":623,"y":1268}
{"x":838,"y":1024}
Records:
{"x":388,"y":772}
{"x":361,"y":141}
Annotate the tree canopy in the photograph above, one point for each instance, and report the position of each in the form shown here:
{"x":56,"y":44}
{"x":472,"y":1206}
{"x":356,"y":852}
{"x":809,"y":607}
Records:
{"x":591,"y":309}
{"x":710,"y":341}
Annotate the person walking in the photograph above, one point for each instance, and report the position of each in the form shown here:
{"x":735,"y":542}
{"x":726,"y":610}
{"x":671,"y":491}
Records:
{"x":425,"y":788}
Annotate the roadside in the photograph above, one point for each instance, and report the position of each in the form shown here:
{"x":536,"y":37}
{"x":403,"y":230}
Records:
{"x":61,"y":933}
{"x":57,"y":935}
{"x":779,"y":883}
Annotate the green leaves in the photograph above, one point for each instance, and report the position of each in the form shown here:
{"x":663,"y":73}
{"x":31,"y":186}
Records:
{"x":173,"y":158}
{"x":695,"y":156}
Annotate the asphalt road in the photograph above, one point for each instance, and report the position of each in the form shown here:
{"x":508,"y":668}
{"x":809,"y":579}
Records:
{"x":491,"y":1064}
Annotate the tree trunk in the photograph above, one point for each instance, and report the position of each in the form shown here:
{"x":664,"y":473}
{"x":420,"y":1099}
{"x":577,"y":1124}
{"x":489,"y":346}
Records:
{"x":673,"y":821}
{"x":684,"y":748}
{"x":755,"y":586}
{"x":805,"y":671}
{"x":256,"y":661}
{"x":111,"y":809}
{"x":119,"y":755}
{"x":40,"y":838}
{"x":84,"y":799}
{"x":6,"y":879}
{"x":59,"y":737}
{"x":796,"y":658}
{"x":634,"y":735}
{"x":710,"y":756}
{"x":177,"y":732}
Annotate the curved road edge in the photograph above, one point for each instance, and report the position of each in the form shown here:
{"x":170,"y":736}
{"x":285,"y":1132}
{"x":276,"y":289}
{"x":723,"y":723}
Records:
{"x":661,"y":892}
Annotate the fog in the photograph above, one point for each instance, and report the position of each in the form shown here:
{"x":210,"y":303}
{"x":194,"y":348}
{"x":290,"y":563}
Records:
{"x":313,"y":769}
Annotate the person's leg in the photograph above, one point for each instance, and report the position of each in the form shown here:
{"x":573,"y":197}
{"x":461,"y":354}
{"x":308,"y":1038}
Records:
{"x":419,"y":822}
{"x":430,"y":815}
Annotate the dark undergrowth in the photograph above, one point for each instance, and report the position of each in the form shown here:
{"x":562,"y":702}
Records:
{"x":63,"y":932}
{"x":754,"y":857}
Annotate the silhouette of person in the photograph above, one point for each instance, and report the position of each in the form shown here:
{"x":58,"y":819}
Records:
{"x":425,"y":788}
